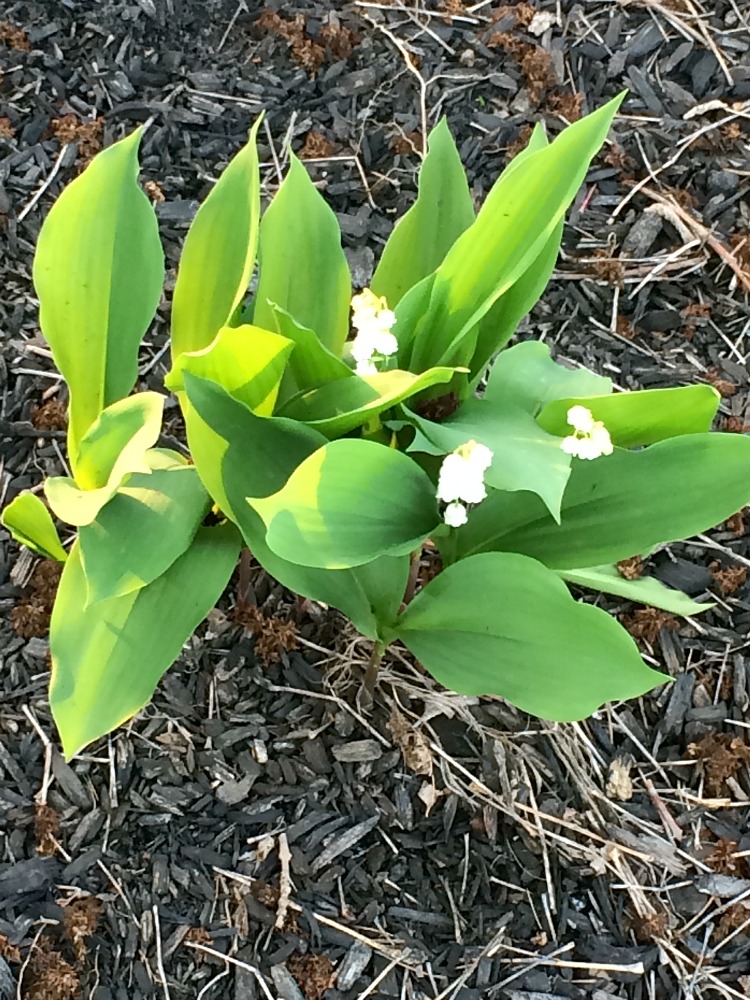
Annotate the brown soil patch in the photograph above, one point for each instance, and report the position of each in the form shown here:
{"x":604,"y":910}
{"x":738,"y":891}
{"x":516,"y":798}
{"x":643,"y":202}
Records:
{"x":48,"y":976}
{"x":730,"y":579}
{"x":535,"y":63}
{"x":50,"y":416}
{"x":13,"y":37}
{"x":81,"y":921}
{"x":314,"y":974}
{"x":316,"y":147}
{"x":31,"y":615}
{"x":646,"y":623}
{"x":630,"y":569}
{"x":722,"y":756}
{"x":273,"y":636}
{"x":46,"y":829}
{"x":87,"y":134}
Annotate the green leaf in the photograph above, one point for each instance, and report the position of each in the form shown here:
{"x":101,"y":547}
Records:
{"x":517,"y":220}
{"x":29,"y":522}
{"x":369,"y":595}
{"x":339,"y":407}
{"x":527,"y":376}
{"x":117,"y":441}
{"x":236,"y":453}
{"x":108,"y":658}
{"x":144,"y":528}
{"x":503,"y":318}
{"x":219,"y":254}
{"x":348,"y":503}
{"x":525,"y":457}
{"x":640,"y":418}
{"x":411,"y":312}
{"x":115,"y":445}
{"x":247,"y":361}
{"x":98,"y":273}
{"x":303,"y":269}
{"x":645,"y":590}
{"x":503,"y":624}
{"x":620,"y":505}
{"x":425,"y":233}
{"x":311,"y":363}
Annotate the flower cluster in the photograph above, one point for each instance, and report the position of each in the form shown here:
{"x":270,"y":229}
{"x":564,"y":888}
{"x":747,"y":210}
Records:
{"x":590,"y":438}
{"x":372,"y":319}
{"x":461,"y":480}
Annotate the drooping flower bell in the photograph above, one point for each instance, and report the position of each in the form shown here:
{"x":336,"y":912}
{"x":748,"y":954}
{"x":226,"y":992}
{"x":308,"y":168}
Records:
{"x":590,"y":438}
{"x":373,"y":320}
{"x":461,"y":480}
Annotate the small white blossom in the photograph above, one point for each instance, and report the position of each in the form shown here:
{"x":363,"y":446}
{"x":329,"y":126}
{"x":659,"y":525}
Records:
{"x":455,"y":515}
{"x":590,"y":438}
{"x":461,"y":478}
{"x":372,"y":319}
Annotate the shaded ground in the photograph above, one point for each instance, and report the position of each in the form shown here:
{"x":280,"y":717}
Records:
{"x":251,"y":835}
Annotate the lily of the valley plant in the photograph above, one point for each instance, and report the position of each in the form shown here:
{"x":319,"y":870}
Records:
{"x":334,"y":431}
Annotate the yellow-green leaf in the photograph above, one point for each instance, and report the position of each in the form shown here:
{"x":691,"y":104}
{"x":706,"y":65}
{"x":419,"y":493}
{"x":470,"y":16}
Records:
{"x":29,"y":522}
{"x":98,"y":273}
{"x":219,"y":254}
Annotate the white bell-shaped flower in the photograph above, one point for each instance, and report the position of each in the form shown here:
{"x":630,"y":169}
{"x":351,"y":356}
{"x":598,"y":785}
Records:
{"x":461,"y":480}
{"x":590,"y":438}
{"x":372,"y":319}
{"x":455,"y":515}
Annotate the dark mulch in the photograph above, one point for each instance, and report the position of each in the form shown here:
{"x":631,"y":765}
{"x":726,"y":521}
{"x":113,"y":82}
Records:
{"x":439,"y":847}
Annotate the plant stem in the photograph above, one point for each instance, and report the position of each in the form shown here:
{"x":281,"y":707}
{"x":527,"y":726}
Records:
{"x":371,"y":673}
{"x":411,"y":583}
{"x":448,"y":546}
{"x":245,"y":592}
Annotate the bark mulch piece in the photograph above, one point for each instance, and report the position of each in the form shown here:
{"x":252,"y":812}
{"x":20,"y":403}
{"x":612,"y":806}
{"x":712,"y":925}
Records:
{"x":251,"y":833}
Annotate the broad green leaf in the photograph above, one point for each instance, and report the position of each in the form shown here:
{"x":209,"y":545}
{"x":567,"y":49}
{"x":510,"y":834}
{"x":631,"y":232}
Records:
{"x":527,"y":376}
{"x":107,"y":659}
{"x":645,"y":590}
{"x":144,"y":528}
{"x":117,"y":444}
{"x":303,"y":269}
{"x":641,"y":418}
{"x":503,"y":318}
{"x":517,"y":220}
{"x":236,"y":453}
{"x":29,"y":522}
{"x":369,"y":595}
{"x":339,"y":407}
{"x":219,"y":254}
{"x":503,"y":624}
{"x":98,"y":273}
{"x":311,"y":363}
{"x":620,"y":505}
{"x":525,"y":457}
{"x":247,"y":361}
{"x":348,"y":503}
{"x":425,"y":233}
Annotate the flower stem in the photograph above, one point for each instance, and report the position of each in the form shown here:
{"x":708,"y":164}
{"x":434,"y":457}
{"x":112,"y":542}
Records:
{"x":449,"y":547}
